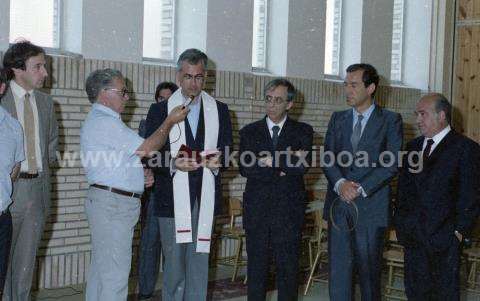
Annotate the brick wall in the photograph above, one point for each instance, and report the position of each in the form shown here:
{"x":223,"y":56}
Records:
{"x":64,"y":253}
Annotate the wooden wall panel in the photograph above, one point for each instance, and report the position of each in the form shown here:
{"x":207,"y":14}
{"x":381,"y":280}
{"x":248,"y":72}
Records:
{"x":466,"y":85}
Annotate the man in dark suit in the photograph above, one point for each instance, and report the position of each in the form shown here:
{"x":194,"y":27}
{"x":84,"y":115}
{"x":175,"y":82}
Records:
{"x":274,"y":198}
{"x":186,"y":189}
{"x":358,"y":195}
{"x":25,"y":65}
{"x":437,"y":204}
{"x":149,"y":255}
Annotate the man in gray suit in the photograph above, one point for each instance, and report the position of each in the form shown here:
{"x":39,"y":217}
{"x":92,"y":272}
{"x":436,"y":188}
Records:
{"x":25,"y":65}
{"x":366,"y":141}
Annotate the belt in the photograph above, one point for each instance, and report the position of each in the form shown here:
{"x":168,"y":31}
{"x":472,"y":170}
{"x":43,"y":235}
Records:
{"x":26,"y":175}
{"x":118,"y":191}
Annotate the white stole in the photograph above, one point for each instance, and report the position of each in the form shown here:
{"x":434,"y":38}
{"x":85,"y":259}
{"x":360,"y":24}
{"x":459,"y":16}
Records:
{"x":181,"y":190}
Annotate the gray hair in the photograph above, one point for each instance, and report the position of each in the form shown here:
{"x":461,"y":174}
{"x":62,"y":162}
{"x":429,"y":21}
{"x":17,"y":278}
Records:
{"x":192,"y":56}
{"x":442,"y":104}
{"x":281,"y":82}
{"x":99,"y":80}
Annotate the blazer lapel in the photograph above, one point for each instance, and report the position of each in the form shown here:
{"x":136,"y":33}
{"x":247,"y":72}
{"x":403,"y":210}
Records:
{"x":347,"y":128}
{"x":8,"y":103}
{"x":42,"y":122}
{"x":373,"y":124}
{"x":447,"y":140}
{"x":266,"y":134}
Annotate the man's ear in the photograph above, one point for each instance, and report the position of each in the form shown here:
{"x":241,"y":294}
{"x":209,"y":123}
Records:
{"x":289,"y":105}
{"x":371,"y":88}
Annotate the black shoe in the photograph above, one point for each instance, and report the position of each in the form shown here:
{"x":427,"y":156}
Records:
{"x":144,"y":297}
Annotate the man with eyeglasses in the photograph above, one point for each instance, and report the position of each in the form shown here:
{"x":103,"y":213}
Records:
{"x":25,"y":65}
{"x":188,"y":192}
{"x":150,"y":248}
{"x":11,"y":148}
{"x":275,"y":197}
{"x":111,"y":154}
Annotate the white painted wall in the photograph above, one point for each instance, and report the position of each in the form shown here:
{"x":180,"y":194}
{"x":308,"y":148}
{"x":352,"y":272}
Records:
{"x":306,"y":39}
{"x":230,"y":34}
{"x":112,"y":30}
{"x":416,"y":50}
{"x":278,"y":37}
{"x":4,"y":24}
{"x":351,"y":42}
{"x":191,"y":25}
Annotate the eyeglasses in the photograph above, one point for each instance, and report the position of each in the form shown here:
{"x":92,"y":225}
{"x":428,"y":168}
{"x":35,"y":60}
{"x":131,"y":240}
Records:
{"x":274,"y":100}
{"x":123,"y":91}
{"x":197,"y":78}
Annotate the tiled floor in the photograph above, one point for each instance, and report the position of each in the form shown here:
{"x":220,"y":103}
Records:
{"x":223,"y":287}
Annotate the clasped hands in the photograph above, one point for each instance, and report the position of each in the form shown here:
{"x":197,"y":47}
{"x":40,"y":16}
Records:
{"x":349,"y":190}
{"x":267,"y":161}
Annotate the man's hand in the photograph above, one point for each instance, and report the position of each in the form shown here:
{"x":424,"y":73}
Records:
{"x":349,"y":190}
{"x":212,"y":163}
{"x":186,"y":164}
{"x":459,"y":236}
{"x":148,"y":176}
{"x":177,"y":114}
{"x":266,"y":161}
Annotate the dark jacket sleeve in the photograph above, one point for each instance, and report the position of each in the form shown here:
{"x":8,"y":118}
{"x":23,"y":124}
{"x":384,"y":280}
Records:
{"x":249,"y":166}
{"x":293,"y":165}
{"x":331,"y":169}
{"x":225,"y":143}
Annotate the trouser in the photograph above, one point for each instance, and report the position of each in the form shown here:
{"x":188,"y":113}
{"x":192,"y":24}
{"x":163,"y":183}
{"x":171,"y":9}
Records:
{"x":29,"y":212}
{"x":5,"y":240}
{"x":112,"y":218}
{"x":185,"y":273}
{"x":150,"y":250}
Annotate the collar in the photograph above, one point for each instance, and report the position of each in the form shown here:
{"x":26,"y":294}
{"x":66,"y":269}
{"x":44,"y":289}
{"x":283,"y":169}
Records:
{"x":99,"y":107}
{"x":271,"y":124}
{"x":18,"y":90}
{"x":365,"y":114}
{"x":439,"y":137}
{"x":196,"y":100}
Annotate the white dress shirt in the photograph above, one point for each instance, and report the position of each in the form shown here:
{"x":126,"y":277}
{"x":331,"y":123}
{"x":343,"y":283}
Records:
{"x":19,"y":98}
{"x":271,"y":124}
{"x":436,"y":139}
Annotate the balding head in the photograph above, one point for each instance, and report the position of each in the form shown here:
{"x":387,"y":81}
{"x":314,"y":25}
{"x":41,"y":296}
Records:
{"x":434,"y":113}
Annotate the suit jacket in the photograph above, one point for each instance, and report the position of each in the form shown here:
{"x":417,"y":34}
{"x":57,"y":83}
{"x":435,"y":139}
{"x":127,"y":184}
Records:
{"x":383,"y":132}
{"x":443,"y":197}
{"x":163,"y":188}
{"x":270,"y":197}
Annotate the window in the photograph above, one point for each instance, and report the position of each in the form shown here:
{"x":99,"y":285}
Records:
{"x":159,"y":29}
{"x":259,"y":45}
{"x":397,"y":41}
{"x":332,"y":37}
{"x":36,"y":21}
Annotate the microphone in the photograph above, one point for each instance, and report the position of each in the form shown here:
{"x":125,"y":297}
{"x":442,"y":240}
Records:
{"x":188,"y":101}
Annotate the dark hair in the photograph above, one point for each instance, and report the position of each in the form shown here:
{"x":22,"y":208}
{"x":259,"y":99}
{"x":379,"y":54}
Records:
{"x":442,"y":104}
{"x":281,"y":82}
{"x":17,"y":55}
{"x":192,"y":56}
{"x":99,"y":80}
{"x":370,"y":75}
{"x":165,"y":85}
{"x":3,"y":80}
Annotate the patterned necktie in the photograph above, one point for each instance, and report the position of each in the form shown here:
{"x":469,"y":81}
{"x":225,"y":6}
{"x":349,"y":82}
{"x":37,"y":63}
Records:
{"x":29,"y":124}
{"x":427,"y":150}
{"x":275,"y":130}
{"x":357,"y":133}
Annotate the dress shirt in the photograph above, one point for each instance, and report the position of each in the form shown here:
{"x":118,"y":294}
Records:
{"x":271,"y":124}
{"x":108,"y":149}
{"x":436,"y":139}
{"x":19,"y":99}
{"x":194,"y":114}
{"x":11,"y":150}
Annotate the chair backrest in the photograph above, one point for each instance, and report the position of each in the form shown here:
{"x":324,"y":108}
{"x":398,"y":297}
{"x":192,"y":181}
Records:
{"x":234,"y":210}
{"x":320,"y":224}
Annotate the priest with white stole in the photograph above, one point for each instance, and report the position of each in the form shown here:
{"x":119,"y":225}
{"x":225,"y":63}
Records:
{"x":187,"y":179}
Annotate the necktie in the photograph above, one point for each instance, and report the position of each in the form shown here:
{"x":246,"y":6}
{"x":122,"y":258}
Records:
{"x":29,"y":124}
{"x":427,"y":150}
{"x":275,"y":130}
{"x":357,"y":133}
